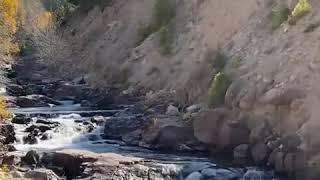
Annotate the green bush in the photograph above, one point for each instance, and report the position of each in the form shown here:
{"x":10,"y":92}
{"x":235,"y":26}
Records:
{"x":218,"y":89}
{"x":163,"y":12}
{"x":279,"y":15}
{"x":217,"y":59}
{"x":165,"y":40}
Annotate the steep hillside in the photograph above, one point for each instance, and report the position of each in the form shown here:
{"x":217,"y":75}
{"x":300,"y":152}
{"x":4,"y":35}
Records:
{"x":107,"y":43}
{"x":266,"y":50}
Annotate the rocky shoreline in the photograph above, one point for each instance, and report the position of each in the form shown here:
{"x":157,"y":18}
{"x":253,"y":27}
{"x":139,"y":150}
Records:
{"x":153,"y":122}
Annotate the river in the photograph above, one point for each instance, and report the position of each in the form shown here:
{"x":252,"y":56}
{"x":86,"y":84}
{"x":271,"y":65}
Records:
{"x":72,"y":129}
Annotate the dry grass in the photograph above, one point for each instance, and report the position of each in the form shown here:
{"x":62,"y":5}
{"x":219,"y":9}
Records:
{"x":4,"y":114}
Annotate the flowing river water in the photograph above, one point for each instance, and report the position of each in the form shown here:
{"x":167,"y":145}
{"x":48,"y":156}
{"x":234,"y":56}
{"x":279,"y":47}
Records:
{"x":71,"y":134}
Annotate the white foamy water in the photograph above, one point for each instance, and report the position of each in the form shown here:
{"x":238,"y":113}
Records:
{"x":66,"y":135}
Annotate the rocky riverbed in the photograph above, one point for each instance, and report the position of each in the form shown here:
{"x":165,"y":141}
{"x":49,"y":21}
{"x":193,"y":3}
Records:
{"x":66,"y":130}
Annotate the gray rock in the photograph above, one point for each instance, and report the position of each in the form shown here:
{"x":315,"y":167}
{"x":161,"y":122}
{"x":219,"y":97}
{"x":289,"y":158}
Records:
{"x":7,"y":131}
{"x":35,"y":101}
{"x":39,"y":127}
{"x":260,"y":152}
{"x":172,"y":111}
{"x":41,"y":174}
{"x":209,"y":172}
{"x":46,"y":122}
{"x":225,"y":174}
{"x":9,"y":160}
{"x":279,"y":162}
{"x":132,"y":138}
{"x":194,"y":176}
{"x":93,"y":137}
{"x":115,"y":128}
{"x":99,"y":120}
{"x":194,"y":108}
{"x":21,"y":120}
{"x":31,"y":158}
{"x":253,"y":175}
{"x":282,"y":96}
{"x":15,"y":90}
{"x":194,"y":167}
{"x":241,"y":152}
{"x":45,"y":136}
{"x":291,"y":142}
{"x":171,"y":137}
{"x":29,"y":139}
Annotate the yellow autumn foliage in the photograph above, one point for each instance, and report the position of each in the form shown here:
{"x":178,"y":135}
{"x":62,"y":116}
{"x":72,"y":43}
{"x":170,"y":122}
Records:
{"x":43,"y":20}
{"x":4,"y":172}
{"x":8,"y":26}
{"x":4,"y":114}
{"x":302,"y":7}
{"x":8,"y":14}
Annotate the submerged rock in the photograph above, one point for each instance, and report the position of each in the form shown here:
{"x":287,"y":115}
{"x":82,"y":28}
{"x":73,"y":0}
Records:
{"x":194,"y":176}
{"x":195,"y":167}
{"x":29,"y":139}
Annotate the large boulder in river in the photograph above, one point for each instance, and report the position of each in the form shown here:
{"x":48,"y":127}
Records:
{"x":15,"y":90}
{"x":220,"y":128}
{"x":35,"y":101}
{"x":31,"y":158}
{"x":40,"y":127}
{"x":117,"y":127}
{"x":20,"y":119}
{"x":71,"y":164}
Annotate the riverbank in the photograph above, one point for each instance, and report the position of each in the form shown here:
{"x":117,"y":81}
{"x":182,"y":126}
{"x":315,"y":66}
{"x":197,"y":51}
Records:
{"x":67,"y":130}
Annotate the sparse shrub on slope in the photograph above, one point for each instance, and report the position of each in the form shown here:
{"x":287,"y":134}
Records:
{"x":163,"y":12}
{"x":279,"y":15}
{"x":218,"y":89}
{"x":217,"y":59}
{"x":301,"y":9}
{"x":165,"y":40}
